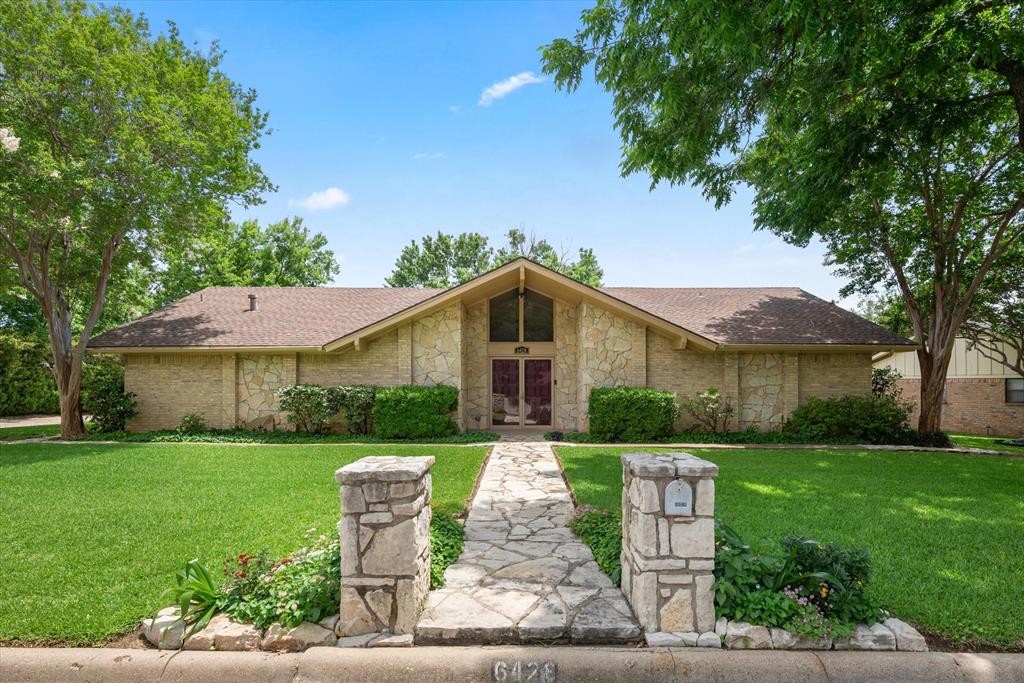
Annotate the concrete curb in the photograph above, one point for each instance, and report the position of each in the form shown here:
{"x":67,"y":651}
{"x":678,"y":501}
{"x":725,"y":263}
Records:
{"x":506,"y":665}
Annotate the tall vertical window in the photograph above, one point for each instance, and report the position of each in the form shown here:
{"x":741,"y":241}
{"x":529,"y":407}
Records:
{"x":1015,"y":390}
{"x":527,"y":318}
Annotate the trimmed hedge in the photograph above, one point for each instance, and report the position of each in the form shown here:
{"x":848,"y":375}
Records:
{"x":631,"y":413}
{"x":415,"y":412}
{"x":864,"y":419}
{"x":26,"y":383}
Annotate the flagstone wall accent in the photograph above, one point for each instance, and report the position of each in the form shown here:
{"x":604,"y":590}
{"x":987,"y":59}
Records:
{"x":761,"y":400}
{"x":476,"y":368}
{"x":437,"y":347}
{"x":612,"y":352}
{"x":259,"y":376}
{"x":566,"y":367}
{"x":385,"y":544}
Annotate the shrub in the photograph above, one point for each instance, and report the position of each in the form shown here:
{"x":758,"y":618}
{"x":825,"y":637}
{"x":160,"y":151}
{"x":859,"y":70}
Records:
{"x":106,"y":400}
{"x":864,"y":419}
{"x":446,"y":540}
{"x":193,"y":423}
{"x":415,"y":412}
{"x":310,"y":406}
{"x":884,"y":383}
{"x":357,"y":403}
{"x":709,"y":410}
{"x":811,"y":589}
{"x":631,"y":413}
{"x":26,"y":382}
{"x":303,"y":586}
{"x":602,"y":531}
{"x":196,"y":595}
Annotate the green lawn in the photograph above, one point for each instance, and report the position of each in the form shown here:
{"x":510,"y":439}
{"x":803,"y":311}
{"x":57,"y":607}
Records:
{"x":14,"y":433}
{"x":945,"y":531}
{"x":91,"y":534}
{"x":973,"y":441}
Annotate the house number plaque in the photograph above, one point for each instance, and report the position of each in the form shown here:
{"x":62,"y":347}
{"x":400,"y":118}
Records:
{"x":523,"y":349}
{"x":679,"y":498}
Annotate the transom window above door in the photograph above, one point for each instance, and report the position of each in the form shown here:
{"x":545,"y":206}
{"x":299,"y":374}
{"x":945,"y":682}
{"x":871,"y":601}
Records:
{"x":527,"y":318}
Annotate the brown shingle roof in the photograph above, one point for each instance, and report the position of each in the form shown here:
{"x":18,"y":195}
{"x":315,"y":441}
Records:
{"x":757,"y":315}
{"x":312,"y":317}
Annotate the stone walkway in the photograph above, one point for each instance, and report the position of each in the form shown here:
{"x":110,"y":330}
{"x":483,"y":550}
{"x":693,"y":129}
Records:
{"x":523,"y":577}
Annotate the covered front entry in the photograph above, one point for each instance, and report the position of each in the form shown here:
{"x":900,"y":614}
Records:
{"x":521,"y":392}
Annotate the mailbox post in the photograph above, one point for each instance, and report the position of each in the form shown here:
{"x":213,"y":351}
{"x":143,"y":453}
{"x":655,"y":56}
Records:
{"x":668,"y":540}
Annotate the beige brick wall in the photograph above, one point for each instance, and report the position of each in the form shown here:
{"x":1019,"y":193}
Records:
{"x":973,"y":406}
{"x":827,"y":375}
{"x":685,"y":371}
{"x":378,"y":363}
{"x":169,"y":386}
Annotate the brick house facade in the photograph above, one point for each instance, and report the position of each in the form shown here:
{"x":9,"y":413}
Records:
{"x":523,"y":345}
{"x":981,"y":394}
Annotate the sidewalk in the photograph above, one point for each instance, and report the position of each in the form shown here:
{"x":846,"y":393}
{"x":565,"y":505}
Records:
{"x":507,"y":665}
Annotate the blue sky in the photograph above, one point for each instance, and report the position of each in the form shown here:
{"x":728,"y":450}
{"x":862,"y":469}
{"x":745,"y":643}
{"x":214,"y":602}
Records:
{"x":382,"y":134}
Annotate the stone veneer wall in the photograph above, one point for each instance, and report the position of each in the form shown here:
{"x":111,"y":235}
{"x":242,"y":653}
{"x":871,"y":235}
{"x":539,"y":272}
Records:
{"x":259,"y":376}
{"x":475,"y":367}
{"x":761,"y":402}
{"x":437,"y":351}
{"x":566,"y":368}
{"x":612,"y":352}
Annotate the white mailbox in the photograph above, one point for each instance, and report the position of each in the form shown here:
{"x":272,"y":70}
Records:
{"x":679,"y":498}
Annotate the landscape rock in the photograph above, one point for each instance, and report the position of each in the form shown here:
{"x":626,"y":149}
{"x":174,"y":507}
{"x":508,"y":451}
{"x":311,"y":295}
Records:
{"x":709,"y":639}
{"x":784,"y":640}
{"x":279,"y":638}
{"x":873,"y":637}
{"x":907,"y":637}
{"x":166,"y":630}
{"x":740,"y":635}
{"x":391,"y":640}
{"x":721,"y":625}
{"x":663,"y":639}
{"x":357,"y":641}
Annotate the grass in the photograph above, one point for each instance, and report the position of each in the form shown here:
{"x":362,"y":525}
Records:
{"x":17,"y":433}
{"x":945,"y":531}
{"x":91,"y":534}
{"x":992,"y":442}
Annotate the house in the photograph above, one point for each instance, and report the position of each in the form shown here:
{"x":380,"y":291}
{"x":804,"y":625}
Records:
{"x":523,"y":344}
{"x":982,"y":396}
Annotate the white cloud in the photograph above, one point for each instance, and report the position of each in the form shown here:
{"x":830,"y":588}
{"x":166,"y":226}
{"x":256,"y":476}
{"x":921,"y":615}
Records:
{"x":454,"y":108}
{"x":325,"y":199}
{"x":425,"y":155}
{"x":511,"y":84}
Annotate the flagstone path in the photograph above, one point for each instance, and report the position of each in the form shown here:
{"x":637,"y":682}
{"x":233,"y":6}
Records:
{"x":523,"y":577}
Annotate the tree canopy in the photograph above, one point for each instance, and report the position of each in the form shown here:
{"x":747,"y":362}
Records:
{"x":447,"y":260}
{"x":891,"y":130}
{"x":115,"y":145}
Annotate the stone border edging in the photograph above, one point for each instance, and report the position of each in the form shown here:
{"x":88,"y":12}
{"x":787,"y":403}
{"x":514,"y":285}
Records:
{"x":505,"y":664}
{"x":796,"y":447}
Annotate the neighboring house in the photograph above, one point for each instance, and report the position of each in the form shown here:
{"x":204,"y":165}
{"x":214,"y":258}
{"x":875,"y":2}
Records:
{"x":982,"y":396}
{"x":523,"y":344}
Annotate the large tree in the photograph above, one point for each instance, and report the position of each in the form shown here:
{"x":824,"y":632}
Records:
{"x":116,"y":147}
{"x":448,"y":260}
{"x":891,"y":130}
{"x":284,"y":254}
{"x":995,"y":325}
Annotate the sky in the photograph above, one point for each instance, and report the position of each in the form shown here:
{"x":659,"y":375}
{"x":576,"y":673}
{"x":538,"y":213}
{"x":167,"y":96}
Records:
{"x":391,"y":121}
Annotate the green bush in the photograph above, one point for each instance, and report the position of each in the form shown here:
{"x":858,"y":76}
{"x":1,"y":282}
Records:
{"x":106,"y":400}
{"x":631,"y":413}
{"x":710,"y":410}
{"x":26,"y":383}
{"x":602,"y":531}
{"x":446,"y":540}
{"x":193,"y":423}
{"x":811,"y":589}
{"x":415,"y":412}
{"x":862,"y":419}
{"x":357,"y":403}
{"x":310,"y":406}
{"x":884,"y":382}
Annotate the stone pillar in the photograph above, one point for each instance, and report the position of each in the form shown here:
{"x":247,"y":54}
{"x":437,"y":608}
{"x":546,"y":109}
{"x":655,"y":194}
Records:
{"x":385,"y":543}
{"x":668,"y":540}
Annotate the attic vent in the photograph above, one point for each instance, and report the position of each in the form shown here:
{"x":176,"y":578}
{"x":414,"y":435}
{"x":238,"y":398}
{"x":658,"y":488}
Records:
{"x":253,"y":303}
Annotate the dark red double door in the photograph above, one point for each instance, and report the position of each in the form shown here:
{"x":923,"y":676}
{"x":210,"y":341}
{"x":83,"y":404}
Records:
{"x":521,"y":392}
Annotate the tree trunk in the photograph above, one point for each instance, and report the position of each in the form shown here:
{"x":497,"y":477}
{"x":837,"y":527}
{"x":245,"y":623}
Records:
{"x":71,"y":424}
{"x":933,"y":384}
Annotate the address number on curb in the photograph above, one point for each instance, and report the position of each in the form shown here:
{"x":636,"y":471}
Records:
{"x":518,"y":671}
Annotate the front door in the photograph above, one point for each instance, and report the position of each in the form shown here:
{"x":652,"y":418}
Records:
{"x":521,"y":392}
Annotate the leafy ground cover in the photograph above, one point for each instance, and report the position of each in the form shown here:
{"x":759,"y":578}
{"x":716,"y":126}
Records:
{"x":943,"y":530}
{"x":277,"y":437}
{"x":92,"y":534}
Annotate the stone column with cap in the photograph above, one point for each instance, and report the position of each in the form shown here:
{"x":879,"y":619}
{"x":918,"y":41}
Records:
{"x":385,"y":544}
{"x":668,"y":543}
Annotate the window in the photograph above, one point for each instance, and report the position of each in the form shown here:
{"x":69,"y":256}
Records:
{"x":1015,"y":390}
{"x":504,"y":317}
{"x":538,"y":318}
{"x":536,"y":311}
